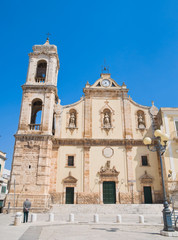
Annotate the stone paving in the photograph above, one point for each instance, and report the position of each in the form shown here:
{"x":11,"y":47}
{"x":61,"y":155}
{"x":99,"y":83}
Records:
{"x":107,"y":228}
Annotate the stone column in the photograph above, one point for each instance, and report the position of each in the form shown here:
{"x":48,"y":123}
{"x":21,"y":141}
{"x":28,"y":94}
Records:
{"x":86,"y":165}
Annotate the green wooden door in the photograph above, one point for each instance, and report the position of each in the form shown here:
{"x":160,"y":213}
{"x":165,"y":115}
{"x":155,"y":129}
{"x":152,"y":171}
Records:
{"x":147,"y":194}
{"x":109,"y":192}
{"x":69,"y":195}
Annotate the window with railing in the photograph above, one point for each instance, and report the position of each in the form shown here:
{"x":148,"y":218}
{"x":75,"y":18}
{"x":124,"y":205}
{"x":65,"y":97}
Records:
{"x":36,"y":113}
{"x":41,"y":71}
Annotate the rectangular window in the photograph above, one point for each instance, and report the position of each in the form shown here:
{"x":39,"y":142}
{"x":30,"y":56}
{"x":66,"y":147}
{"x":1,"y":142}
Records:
{"x":176,"y":124}
{"x":144,"y":161}
{"x":70,"y":161}
{"x":3,"y":190}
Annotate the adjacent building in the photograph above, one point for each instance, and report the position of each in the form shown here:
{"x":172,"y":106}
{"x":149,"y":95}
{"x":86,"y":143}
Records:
{"x":168,"y":122}
{"x":4,"y":179}
{"x":88,"y":152}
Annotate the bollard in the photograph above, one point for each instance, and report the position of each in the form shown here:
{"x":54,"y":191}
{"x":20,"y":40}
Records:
{"x":51,"y":217}
{"x":96,"y":218}
{"x":71,"y":217}
{"x":33,"y":217}
{"x":118,"y":218}
{"x":18,"y":219}
{"x":141,"y":219}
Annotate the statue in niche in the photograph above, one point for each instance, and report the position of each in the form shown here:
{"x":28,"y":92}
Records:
{"x":107,"y":121}
{"x":72,"y":120}
{"x":141,"y":123}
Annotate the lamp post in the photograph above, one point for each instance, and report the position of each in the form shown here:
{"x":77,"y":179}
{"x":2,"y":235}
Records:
{"x":160,"y":147}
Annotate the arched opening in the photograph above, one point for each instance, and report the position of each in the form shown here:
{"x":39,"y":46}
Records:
{"x":54,"y":124}
{"x":72,"y":118}
{"x":106,"y":118}
{"x":36,"y":115}
{"x":41,"y":71}
{"x":141,"y":119}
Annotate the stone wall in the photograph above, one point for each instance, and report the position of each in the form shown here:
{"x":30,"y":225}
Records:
{"x":39,"y":203}
{"x":87,"y":198}
{"x":56,"y":198}
{"x":128,"y":198}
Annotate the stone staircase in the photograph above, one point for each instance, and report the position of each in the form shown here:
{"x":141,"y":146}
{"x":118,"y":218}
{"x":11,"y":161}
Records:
{"x":107,"y":209}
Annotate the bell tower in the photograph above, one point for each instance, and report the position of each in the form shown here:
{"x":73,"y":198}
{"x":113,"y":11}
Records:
{"x":40,"y":91}
{"x":33,"y":141}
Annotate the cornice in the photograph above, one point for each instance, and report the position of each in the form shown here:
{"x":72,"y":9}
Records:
{"x":111,"y":90}
{"x":28,"y":137}
{"x":138,"y":105}
{"x":74,"y":104}
{"x":110,"y":93}
{"x":86,"y":143}
{"x":47,"y":88}
{"x":97,"y":142}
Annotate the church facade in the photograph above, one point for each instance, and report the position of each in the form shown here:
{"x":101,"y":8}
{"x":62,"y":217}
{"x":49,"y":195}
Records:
{"x":88,"y":152}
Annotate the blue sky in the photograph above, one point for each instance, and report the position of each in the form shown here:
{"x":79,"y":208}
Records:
{"x":138,"y":39}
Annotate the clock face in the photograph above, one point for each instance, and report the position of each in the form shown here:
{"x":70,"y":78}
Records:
{"x":105,"y":83}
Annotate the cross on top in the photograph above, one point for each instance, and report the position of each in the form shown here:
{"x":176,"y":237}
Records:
{"x":105,"y":68}
{"x":48,"y":35}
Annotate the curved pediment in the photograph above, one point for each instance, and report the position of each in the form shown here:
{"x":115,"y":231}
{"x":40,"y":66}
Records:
{"x":107,"y":171}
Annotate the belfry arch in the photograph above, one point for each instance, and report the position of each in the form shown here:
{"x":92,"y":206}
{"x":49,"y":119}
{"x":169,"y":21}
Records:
{"x":41,"y":71}
{"x":36,"y":114}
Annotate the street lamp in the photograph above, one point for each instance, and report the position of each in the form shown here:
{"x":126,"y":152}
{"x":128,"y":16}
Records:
{"x":160,"y":147}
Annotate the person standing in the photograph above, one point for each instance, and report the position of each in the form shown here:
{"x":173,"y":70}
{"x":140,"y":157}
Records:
{"x":26,"y":208}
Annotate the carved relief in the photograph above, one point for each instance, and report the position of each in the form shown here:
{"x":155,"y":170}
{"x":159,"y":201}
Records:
{"x":146,"y":178}
{"x":141,"y":120}
{"x":72,"y":119}
{"x":106,"y":117}
{"x":107,"y":173}
{"x":70,"y":180}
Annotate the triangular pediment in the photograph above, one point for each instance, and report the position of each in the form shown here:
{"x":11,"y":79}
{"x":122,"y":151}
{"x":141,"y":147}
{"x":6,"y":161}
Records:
{"x":69,"y":179}
{"x":104,"y":82}
{"x":146,"y":178}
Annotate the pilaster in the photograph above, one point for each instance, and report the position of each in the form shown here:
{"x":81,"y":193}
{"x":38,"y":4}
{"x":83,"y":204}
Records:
{"x":86,"y":165}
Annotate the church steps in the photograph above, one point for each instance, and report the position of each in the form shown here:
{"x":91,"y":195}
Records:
{"x":107,"y":208}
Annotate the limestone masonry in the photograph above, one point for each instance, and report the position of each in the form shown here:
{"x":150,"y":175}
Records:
{"x":89,"y":152}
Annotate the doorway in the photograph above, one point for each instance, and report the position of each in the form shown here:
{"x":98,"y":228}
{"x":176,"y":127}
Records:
{"x":147,"y":195}
{"x":109,"y":192}
{"x":69,"y":195}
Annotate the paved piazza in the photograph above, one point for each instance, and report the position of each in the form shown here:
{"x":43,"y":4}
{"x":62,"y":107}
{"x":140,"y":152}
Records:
{"x":99,"y":232}
{"x":44,"y":230}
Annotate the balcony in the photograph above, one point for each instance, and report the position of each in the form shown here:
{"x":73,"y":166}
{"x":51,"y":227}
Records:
{"x":40,"y":79}
{"x":35,"y":127}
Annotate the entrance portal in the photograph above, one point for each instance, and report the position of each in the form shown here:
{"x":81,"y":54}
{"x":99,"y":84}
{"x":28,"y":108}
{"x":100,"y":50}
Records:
{"x":69,"y":195}
{"x":109,"y":192}
{"x":147,"y":194}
